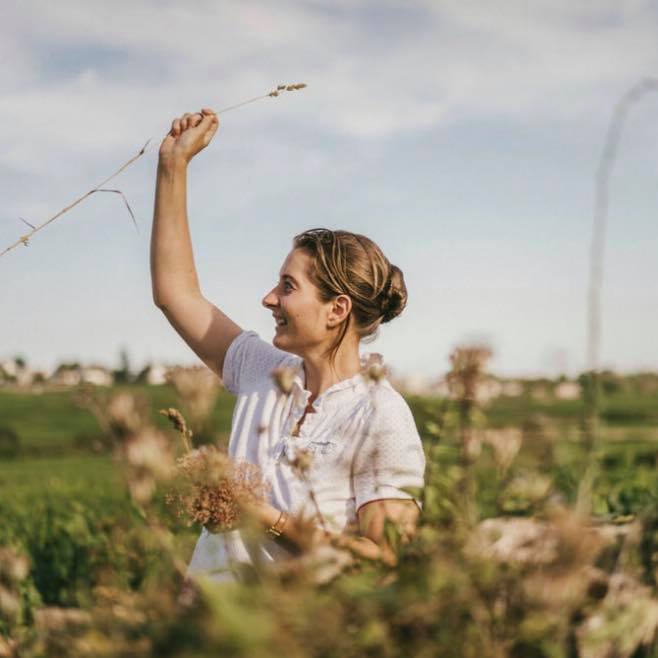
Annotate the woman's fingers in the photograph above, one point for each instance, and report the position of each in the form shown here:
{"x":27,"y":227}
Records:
{"x":206,"y":120}
{"x":189,"y":120}
{"x":211,"y":124}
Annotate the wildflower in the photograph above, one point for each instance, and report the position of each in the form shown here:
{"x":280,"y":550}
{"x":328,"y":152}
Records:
{"x":373,"y":368}
{"x":13,"y":567}
{"x":61,"y":619}
{"x":326,"y":562}
{"x":149,"y":459}
{"x":126,"y":414}
{"x":212,"y":489}
{"x":150,"y":451}
{"x":9,"y":604}
{"x":302,"y":462}
{"x":197,"y":388}
{"x":505,"y":444}
{"x":284,"y":378}
{"x":467,"y":374}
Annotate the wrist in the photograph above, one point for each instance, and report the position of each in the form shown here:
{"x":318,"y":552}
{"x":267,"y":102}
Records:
{"x":172,"y":162}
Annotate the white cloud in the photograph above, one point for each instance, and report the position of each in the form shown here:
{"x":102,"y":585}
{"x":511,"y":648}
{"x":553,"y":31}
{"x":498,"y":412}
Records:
{"x":454,"y":60}
{"x":89,"y":82}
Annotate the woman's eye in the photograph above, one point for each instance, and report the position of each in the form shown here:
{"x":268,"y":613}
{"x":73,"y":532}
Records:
{"x":287,"y":285}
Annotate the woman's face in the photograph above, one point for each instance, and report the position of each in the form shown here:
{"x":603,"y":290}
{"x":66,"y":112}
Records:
{"x":302,"y":320}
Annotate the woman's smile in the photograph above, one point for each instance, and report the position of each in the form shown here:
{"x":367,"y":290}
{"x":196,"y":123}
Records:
{"x":280,"y":322}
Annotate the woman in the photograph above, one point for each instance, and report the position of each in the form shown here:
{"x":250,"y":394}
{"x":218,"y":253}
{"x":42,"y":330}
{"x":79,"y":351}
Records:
{"x":334,"y":289}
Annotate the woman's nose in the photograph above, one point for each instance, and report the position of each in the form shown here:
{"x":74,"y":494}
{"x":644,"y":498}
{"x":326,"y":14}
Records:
{"x":270,"y":299}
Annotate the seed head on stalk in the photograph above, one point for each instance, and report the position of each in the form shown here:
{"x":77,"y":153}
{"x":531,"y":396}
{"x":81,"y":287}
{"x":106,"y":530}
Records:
{"x":177,"y":420}
{"x":25,"y":239}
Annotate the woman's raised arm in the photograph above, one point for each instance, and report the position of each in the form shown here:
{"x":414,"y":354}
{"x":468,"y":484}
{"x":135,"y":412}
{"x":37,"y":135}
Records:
{"x":176,"y":290}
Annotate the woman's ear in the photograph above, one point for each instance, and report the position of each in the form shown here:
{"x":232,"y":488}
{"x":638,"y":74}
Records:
{"x":340,"y":309}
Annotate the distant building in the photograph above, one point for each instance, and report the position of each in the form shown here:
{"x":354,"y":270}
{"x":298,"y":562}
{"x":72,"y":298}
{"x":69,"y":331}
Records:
{"x":24,"y":377}
{"x":156,"y":375}
{"x":512,"y":388}
{"x":96,"y":375}
{"x":9,"y":367}
{"x":567,"y":391}
{"x":489,"y":390}
{"x":66,"y":376}
{"x":17,"y":372}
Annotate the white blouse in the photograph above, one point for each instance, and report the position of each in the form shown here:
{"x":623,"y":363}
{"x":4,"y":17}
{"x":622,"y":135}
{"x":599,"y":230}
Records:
{"x":363,"y":438}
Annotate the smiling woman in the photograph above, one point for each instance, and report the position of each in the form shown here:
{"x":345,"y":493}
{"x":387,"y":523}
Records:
{"x":340,"y":454}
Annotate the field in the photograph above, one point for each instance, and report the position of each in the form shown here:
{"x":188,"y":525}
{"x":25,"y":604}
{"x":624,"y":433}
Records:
{"x":103,"y":571}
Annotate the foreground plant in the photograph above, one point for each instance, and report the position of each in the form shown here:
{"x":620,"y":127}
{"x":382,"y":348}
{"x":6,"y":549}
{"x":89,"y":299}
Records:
{"x":212,"y":490}
{"x":543,"y":581}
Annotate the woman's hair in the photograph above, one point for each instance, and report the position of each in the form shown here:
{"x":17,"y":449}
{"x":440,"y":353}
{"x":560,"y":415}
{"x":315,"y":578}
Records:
{"x":345,"y":263}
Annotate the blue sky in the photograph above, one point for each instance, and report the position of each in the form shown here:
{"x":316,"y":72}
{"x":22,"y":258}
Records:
{"x":461,"y":136}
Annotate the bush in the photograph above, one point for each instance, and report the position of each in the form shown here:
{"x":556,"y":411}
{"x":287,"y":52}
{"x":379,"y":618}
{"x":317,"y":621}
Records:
{"x":10,"y":445}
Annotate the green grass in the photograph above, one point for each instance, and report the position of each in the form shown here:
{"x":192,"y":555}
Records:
{"x":54,"y":461}
{"x":69,"y":475}
{"x":52,"y":423}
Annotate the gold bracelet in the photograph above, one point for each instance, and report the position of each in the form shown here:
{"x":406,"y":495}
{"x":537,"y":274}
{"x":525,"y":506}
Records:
{"x":275,"y":529}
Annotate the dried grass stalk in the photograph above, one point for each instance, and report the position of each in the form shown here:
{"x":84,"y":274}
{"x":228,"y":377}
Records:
{"x":24,"y":239}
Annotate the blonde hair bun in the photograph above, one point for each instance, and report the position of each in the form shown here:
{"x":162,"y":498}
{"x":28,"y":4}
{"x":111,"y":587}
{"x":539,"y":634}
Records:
{"x":394,"y":298}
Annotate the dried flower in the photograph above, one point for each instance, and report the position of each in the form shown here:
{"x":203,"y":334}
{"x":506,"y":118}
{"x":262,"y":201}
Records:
{"x":467,"y":374}
{"x":293,"y":87}
{"x":8,"y":647}
{"x":197,"y":388}
{"x":302,"y":462}
{"x":284,"y":378}
{"x":178,"y":421}
{"x":13,"y":567}
{"x":149,"y":459}
{"x":326,"y":562}
{"x":126,"y":413}
{"x":626,"y":619}
{"x":9,"y":604}
{"x":505,"y":444}
{"x":61,"y":619}
{"x":373,"y":368}
{"x":149,"y":451}
{"x":211,"y":488}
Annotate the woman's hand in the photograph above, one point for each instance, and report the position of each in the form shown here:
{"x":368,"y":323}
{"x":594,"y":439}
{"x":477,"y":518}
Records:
{"x":189,"y":134}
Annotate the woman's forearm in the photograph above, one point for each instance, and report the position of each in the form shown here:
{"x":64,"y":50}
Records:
{"x":172,"y":259}
{"x":298,"y":533}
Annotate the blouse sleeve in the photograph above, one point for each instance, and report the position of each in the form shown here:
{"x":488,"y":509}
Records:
{"x":248,"y":360}
{"x":390,"y":458}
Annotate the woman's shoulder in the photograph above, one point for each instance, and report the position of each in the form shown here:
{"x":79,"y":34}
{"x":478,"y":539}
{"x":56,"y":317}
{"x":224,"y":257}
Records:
{"x":389,"y":408}
{"x":250,"y":361}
